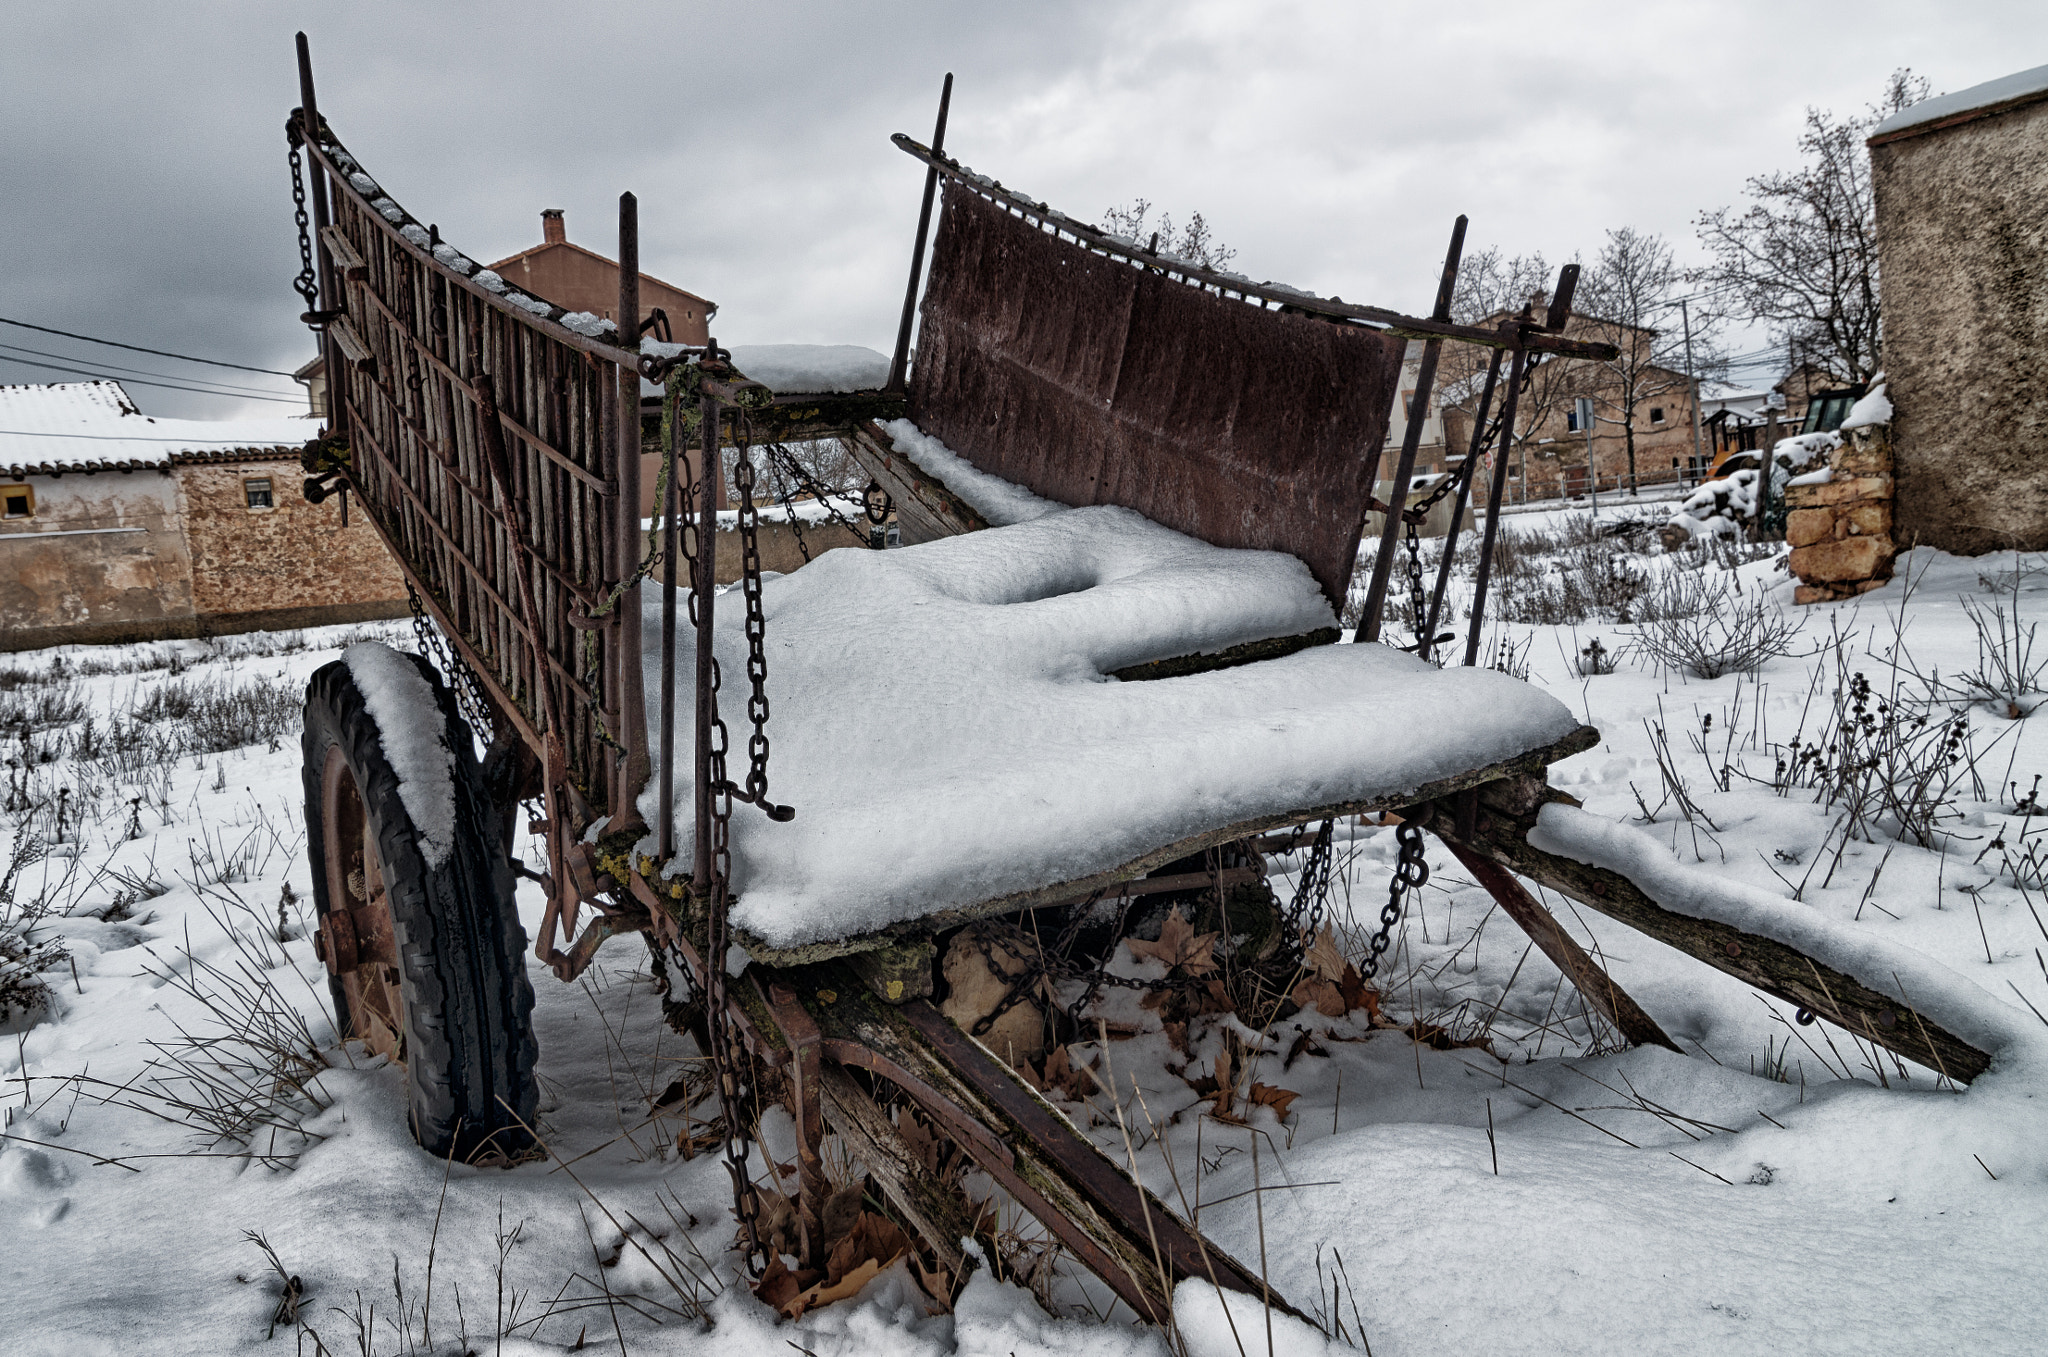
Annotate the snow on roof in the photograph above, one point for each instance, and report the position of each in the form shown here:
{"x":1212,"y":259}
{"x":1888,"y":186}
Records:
{"x":94,"y":426}
{"x":812,"y":367}
{"x":949,"y":731}
{"x":2020,"y":87}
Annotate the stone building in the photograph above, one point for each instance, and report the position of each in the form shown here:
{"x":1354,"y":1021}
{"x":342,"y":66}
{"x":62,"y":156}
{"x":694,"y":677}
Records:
{"x":115,"y":526}
{"x":1962,"y":238}
{"x":1550,"y":455}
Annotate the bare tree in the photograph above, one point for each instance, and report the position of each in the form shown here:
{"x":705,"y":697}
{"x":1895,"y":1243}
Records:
{"x":1627,"y":297}
{"x":1491,"y":287}
{"x":1802,"y":258}
{"x":1194,"y":242}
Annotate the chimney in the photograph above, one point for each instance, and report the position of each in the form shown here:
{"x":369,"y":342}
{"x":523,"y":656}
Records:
{"x":551,"y":232}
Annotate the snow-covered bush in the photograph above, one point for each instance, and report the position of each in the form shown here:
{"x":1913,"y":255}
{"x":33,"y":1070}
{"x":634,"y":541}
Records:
{"x":1708,"y":628}
{"x":1726,"y":503}
{"x":24,"y":957}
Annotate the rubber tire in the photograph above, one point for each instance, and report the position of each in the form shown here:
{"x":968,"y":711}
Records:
{"x":462,"y":953}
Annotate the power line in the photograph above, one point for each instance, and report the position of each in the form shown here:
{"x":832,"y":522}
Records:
{"x":136,"y":438}
{"x":138,"y":381}
{"x":161,"y":353}
{"x":140,"y":372}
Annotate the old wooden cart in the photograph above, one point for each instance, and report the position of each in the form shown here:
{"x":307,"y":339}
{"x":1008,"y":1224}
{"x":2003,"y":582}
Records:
{"x":495,"y":442}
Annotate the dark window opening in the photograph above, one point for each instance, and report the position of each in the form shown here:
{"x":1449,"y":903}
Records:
{"x":1656,"y":414}
{"x":20,"y":504}
{"x":257,"y":491}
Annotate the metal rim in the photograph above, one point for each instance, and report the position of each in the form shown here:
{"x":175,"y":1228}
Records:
{"x":359,"y":933}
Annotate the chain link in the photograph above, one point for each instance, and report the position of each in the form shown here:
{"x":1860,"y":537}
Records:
{"x":454,"y":669}
{"x":794,"y":476}
{"x":307,"y":284}
{"x":757,"y":624}
{"x":1411,"y":873}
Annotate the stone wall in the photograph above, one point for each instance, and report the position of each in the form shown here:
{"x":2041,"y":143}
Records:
{"x":290,"y":565}
{"x":1963,"y":247}
{"x":1841,"y":530}
{"x":101,"y":559}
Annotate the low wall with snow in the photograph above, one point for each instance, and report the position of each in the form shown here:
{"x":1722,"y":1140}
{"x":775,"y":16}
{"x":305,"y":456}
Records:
{"x":1839,"y":519}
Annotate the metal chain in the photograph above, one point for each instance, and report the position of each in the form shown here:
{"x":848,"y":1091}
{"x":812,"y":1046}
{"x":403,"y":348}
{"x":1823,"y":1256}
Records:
{"x":307,"y":284}
{"x":757,"y":625}
{"x":788,"y":468}
{"x":1411,"y":873}
{"x":1312,"y":885}
{"x":454,"y":669}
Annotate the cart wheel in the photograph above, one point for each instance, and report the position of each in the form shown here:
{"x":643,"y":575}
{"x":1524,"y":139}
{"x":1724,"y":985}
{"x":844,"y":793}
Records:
{"x":426,"y":963}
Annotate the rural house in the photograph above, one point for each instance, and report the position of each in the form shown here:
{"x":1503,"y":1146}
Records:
{"x":116,"y":526}
{"x":1961,"y":234}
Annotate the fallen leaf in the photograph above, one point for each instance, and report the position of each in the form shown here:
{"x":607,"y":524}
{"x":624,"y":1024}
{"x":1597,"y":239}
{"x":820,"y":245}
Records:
{"x":1304,"y":1044}
{"x":1179,"y":945}
{"x":1279,"y":1099}
{"x":870,"y":1247}
{"x":1324,"y":958}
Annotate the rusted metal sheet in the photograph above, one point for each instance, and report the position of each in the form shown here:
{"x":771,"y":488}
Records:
{"x":1092,"y":381}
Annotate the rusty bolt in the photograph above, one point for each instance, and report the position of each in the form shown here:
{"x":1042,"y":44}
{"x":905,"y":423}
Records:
{"x":1887,"y":1019}
{"x":1733,"y":948}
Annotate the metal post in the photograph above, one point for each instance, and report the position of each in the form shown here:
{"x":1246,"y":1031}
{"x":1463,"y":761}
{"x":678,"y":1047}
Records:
{"x":1691,"y":376}
{"x":703,"y":588}
{"x":1443,"y":570}
{"x":899,"y":365}
{"x":632,"y":685}
{"x":1592,"y":467}
{"x":316,"y":189}
{"x":671,"y":508}
{"x":1404,"y":469}
{"x":1500,"y":470}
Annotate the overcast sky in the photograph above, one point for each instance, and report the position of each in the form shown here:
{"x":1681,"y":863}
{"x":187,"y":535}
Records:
{"x":144,"y":195}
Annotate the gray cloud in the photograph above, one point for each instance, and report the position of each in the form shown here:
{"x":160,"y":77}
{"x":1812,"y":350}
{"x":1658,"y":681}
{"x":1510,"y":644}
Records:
{"x":146,"y":198}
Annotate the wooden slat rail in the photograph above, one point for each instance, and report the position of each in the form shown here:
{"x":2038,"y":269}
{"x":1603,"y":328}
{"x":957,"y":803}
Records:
{"x":410,"y":413}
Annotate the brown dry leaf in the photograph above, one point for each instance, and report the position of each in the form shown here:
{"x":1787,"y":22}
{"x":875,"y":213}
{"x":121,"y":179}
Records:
{"x":1358,"y":994}
{"x":1324,"y":959}
{"x":937,"y":1282}
{"x":1304,"y":1044}
{"x":1176,"y":1036}
{"x":1442,"y":1038}
{"x":1178,"y":945}
{"x":871,"y":1246}
{"x":779,"y":1286}
{"x":1062,"y":1076}
{"x":1320,"y":995}
{"x":1279,"y":1099}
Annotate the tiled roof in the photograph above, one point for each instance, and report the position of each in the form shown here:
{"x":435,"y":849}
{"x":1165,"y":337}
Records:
{"x":94,"y":426}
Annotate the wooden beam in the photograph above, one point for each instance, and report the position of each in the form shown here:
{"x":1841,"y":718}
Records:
{"x":923,"y":503}
{"x":938,"y":1212}
{"x":1606,"y":997}
{"x":1862,"y":1009}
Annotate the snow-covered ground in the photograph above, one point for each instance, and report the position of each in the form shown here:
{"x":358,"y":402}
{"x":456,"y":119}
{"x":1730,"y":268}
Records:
{"x":1780,"y":1188}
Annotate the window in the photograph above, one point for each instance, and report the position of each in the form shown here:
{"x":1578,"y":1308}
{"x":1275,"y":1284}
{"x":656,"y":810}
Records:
{"x":19,"y":501}
{"x":1656,"y":414}
{"x":257,"y":491}
{"x":1571,"y":421}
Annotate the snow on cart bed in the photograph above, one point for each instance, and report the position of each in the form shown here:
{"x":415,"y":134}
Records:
{"x":946,"y":726}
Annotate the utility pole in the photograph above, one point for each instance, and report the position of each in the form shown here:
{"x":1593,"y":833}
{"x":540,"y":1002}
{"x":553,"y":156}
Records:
{"x":1685,"y":318}
{"x":1584,"y":407}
